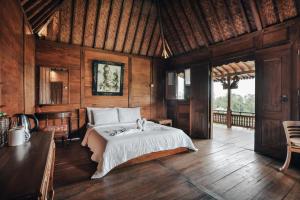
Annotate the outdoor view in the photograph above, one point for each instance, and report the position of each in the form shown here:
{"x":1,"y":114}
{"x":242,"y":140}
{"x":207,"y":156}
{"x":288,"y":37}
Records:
{"x":242,"y":98}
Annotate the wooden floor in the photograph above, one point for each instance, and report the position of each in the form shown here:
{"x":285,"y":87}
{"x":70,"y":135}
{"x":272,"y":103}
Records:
{"x":241,"y":137}
{"x":221,"y":169}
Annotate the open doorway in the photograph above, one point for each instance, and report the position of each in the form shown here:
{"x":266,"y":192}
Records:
{"x":233,"y":103}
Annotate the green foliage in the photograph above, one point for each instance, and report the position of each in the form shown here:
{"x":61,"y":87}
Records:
{"x":238,"y":103}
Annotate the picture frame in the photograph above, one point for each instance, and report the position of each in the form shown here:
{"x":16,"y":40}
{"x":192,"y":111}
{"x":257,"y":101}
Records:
{"x":108,"y":78}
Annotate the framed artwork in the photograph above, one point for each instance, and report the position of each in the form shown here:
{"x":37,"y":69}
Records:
{"x":107,"y":78}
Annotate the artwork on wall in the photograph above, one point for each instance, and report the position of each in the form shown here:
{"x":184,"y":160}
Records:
{"x":107,"y":78}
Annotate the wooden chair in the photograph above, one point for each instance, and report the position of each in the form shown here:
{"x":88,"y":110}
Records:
{"x":63,"y":129}
{"x":292,"y":133}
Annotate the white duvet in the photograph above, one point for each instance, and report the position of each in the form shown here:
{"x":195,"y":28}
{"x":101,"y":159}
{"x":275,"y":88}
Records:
{"x":111,"y":150}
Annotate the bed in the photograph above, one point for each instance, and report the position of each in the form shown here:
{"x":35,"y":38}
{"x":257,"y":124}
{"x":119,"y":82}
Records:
{"x":115,"y":140}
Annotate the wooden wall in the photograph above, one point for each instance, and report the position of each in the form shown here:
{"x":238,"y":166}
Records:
{"x":16,"y":61}
{"x":140,"y":72}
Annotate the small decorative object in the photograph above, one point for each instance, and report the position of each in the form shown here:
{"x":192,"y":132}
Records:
{"x":108,"y":78}
{"x":4,"y":126}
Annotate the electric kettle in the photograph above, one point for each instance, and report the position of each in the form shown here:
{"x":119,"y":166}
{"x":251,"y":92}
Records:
{"x":23,"y":120}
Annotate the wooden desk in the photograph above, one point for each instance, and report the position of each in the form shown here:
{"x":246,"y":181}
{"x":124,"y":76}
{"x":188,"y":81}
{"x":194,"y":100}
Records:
{"x":26,"y":171}
{"x":167,"y":122}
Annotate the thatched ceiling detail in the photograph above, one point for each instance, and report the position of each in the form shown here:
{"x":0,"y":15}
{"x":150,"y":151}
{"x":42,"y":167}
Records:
{"x":132,"y":26}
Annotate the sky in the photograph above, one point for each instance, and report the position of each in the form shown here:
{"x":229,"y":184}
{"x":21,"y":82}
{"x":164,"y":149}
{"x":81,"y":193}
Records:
{"x":245,"y":87}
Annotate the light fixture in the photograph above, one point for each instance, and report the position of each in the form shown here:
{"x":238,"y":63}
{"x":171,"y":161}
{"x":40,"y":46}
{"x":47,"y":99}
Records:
{"x":165,"y":53}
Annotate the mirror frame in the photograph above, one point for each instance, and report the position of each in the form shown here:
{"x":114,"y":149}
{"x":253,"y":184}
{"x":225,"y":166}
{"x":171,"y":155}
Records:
{"x":38,"y":67}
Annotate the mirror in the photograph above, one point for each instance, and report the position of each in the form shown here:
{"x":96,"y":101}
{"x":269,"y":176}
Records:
{"x":53,"y":85}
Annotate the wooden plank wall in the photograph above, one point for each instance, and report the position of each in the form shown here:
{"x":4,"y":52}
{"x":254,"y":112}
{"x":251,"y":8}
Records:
{"x":138,"y":76}
{"x":17,"y":60}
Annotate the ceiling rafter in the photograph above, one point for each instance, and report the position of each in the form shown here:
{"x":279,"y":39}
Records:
{"x":84,"y":20}
{"x":128,"y":26}
{"x":107,"y":24}
{"x":277,"y":10}
{"x":246,"y":21}
{"x":28,"y":7}
{"x":146,"y":26}
{"x":37,"y":23}
{"x":152,"y":35}
{"x":174,"y":27}
{"x":196,"y":8}
{"x":181,"y":25}
{"x":193,"y":23}
{"x":189,"y":25}
{"x":72,"y":20}
{"x":118,"y":25}
{"x":31,"y":14}
{"x":99,"y":5}
{"x":138,"y":24}
{"x":256,"y":15}
{"x":228,"y":12}
{"x":216,"y":20}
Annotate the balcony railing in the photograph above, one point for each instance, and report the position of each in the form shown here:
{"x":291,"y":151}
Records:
{"x":242,"y":119}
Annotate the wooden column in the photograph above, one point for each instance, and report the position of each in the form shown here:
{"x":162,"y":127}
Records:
{"x":228,"y":116}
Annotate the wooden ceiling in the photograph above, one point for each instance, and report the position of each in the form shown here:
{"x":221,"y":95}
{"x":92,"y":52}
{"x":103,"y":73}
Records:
{"x":135,"y":26}
{"x":243,"y":69}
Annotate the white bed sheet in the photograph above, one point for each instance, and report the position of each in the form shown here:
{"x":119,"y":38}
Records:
{"x":111,"y":151}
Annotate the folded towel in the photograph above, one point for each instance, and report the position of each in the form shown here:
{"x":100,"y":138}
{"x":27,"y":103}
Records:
{"x":141,"y":124}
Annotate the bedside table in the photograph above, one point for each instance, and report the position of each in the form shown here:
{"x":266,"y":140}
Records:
{"x":167,"y":122}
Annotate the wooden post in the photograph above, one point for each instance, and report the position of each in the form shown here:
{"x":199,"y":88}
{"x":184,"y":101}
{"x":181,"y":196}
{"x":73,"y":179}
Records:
{"x":228,"y":116}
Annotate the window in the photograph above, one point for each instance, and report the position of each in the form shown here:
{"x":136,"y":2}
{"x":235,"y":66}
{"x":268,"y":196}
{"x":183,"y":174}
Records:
{"x":177,"y":84}
{"x":180,"y":86}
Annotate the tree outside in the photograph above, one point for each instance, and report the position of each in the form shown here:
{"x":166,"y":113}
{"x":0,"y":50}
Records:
{"x":242,"y":99}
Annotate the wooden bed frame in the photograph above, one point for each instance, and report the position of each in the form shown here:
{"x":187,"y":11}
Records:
{"x":153,"y":156}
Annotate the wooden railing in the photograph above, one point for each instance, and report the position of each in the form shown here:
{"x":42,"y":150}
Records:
{"x":242,"y":119}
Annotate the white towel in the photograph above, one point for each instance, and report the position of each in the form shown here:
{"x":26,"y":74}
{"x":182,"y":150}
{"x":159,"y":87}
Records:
{"x":141,"y":124}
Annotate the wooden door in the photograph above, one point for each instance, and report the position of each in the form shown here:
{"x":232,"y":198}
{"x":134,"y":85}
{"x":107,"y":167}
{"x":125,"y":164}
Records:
{"x":272,"y":100}
{"x":200,"y":98}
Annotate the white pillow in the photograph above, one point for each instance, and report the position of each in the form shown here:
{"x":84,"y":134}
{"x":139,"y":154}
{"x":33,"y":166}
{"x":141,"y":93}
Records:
{"x":105,"y":116}
{"x":90,"y":114}
{"x":129,"y":114}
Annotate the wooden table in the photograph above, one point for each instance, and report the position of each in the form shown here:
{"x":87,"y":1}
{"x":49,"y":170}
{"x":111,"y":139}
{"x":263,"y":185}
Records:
{"x":62,"y":130}
{"x":26,"y":171}
{"x":167,"y":122}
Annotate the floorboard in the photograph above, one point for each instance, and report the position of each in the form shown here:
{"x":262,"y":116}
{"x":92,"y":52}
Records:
{"x":222,"y":168}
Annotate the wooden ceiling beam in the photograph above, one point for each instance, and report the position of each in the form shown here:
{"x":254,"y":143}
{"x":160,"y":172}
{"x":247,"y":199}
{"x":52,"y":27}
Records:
{"x":38,"y":22}
{"x":127,"y":29}
{"x":38,"y":11}
{"x":72,"y":20}
{"x":34,"y":4}
{"x":97,"y":22}
{"x":169,"y":18}
{"x":147,"y":23}
{"x":84,"y":21}
{"x":245,"y":18}
{"x":196,"y":8}
{"x":118,"y":25}
{"x":174,"y":13}
{"x":216,"y":20}
{"x":187,"y":21}
{"x":151,"y":38}
{"x":277,"y":11}
{"x":24,"y":2}
{"x":235,"y":33}
{"x":138,"y":24}
{"x":107,"y":24}
{"x":193,"y":22}
{"x":255,"y":14}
